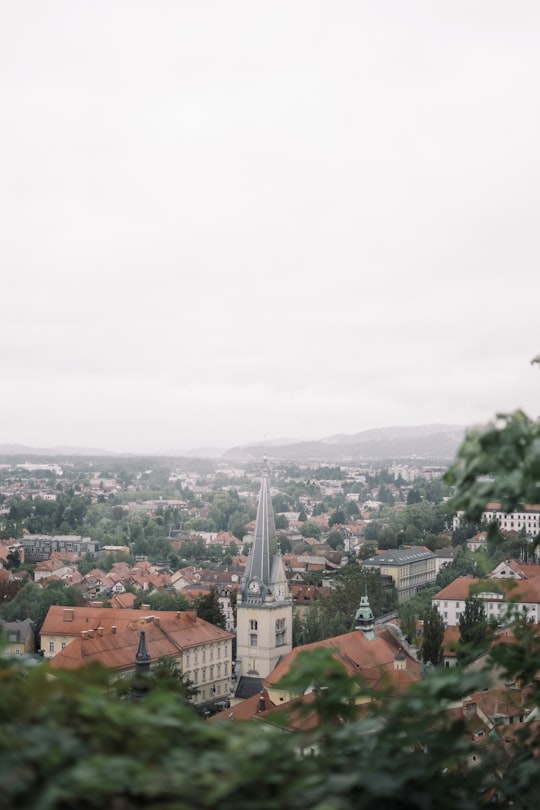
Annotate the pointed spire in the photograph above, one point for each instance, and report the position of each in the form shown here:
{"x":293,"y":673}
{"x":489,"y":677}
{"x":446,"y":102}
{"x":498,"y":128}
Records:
{"x":140,"y":684}
{"x":257,"y":578}
{"x":364,"y":619}
{"x":142,"y":658}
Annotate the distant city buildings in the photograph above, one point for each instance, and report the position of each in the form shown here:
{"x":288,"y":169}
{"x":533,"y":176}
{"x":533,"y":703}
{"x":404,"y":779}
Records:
{"x":39,"y":547}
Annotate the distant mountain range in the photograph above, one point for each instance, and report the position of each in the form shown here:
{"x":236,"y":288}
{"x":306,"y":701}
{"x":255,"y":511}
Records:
{"x":25,"y":450}
{"x":430,"y":443}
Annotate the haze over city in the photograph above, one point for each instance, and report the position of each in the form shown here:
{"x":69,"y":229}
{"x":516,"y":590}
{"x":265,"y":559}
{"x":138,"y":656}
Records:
{"x":225,"y":222}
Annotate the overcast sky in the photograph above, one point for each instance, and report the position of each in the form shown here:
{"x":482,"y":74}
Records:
{"x":231,"y":220}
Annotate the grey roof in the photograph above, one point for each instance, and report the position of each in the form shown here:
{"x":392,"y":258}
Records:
{"x":248,"y":686}
{"x":264,"y":542}
{"x":400,"y":556}
{"x":22,"y":629}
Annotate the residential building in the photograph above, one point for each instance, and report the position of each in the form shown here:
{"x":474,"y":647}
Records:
{"x":39,"y":547}
{"x":526,"y":519}
{"x":511,"y":586}
{"x":411,"y":569}
{"x":17,"y":637}
{"x":74,"y":637}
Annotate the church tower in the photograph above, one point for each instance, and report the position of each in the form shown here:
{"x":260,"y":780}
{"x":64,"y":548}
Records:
{"x":264,"y":611}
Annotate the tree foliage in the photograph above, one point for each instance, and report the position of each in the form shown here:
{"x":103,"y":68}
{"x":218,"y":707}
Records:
{"x":432,"y":650}
{"x":33,"y":602}
{"x":473,"y":629}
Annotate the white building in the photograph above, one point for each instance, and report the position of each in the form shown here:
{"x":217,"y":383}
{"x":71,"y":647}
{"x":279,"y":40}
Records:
{"x":527,"y":518}
{"x":501,"y":598}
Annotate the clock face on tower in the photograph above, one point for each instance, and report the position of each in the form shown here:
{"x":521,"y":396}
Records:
{"x":254,"y":586}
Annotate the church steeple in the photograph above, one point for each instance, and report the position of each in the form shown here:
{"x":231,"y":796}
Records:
{"x":264,"y":611}
{"x":257,"y":581}
{"x":364,"y":619}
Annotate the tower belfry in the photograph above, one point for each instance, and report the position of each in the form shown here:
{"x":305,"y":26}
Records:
{"x":364,"y":619}
{"x":264,"y":613}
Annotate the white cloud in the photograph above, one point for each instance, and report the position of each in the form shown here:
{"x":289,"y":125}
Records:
{"x":225,"y":221}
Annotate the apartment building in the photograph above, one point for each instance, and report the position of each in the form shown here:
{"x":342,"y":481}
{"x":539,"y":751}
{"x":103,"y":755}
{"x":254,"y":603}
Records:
{"x":411,"y":569}
{"x":527,"y":518}
{"x":74,"y":637}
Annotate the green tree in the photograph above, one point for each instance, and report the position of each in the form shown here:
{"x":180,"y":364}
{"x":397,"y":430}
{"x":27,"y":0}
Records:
{"x":350,"y":584}
{"x":432,"y":650}
{"x":335,"y":539}
{"x":473,"y":630}
{"x":33,"y":601}
{"x":208,"y":607}
{"x":310,"y":529}
{"x":407,"y":621}
{"x":337,"y":518}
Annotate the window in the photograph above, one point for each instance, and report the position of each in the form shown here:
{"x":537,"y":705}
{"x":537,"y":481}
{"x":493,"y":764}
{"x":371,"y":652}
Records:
{"x":219,"y":670}
{"x":196,"y":657}
{"x":51,"y":646}
{"x":253,"y":640}
{"x":187,"y":659}
{"x":219,"y":651}
{"x":203,"y":674}
{"x":280,"y":632}
{"x":253,"y":624}
{"x":204,"y":656}
{"x":211,"y":672}
{"x":63,"y":645}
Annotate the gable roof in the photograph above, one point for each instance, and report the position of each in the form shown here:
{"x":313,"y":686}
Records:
{"x":371,"y":659}
{"x":113,"y":639}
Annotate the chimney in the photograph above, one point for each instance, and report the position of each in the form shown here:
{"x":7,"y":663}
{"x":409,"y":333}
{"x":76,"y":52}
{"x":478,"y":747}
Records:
{"x":100,"y":631}
{"x":90,"y":633}
{"x":261,"y":706}
{"x":145,"y":607}
{"x":113,"y":629}
{"x":469,"y":708}
{"x":68,"y":614}
{"x":84,"y":634}
{"x":156,"y":620}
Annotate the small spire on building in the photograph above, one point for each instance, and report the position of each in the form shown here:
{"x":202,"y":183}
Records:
{"x":142,"y":659}
{"x":139,"y":686}
{"x":364,"y":619}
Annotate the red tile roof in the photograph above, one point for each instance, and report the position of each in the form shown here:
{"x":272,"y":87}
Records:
{"x":111,"y":637}
{"x":371,"y":660}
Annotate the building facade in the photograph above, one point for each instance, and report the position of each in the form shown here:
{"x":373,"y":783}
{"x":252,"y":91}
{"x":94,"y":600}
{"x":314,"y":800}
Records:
{"x":511,"y":587}
{"x":265,"y":610}
{"x":39,"y":547}
{"x":74,"y":637}
{"x":411,"y":569}
{"x":526,"y":519}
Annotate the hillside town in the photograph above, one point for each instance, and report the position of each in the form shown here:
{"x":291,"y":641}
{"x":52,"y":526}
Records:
{"x":230,"y":572}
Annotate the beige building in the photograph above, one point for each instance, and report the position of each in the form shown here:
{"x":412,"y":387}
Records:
{"x":17,"y":638}
{"x":265,"y":610}
{"x":74,"y":637}
{"x":411,"y":569}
